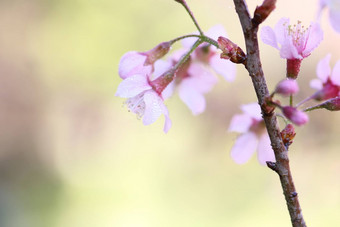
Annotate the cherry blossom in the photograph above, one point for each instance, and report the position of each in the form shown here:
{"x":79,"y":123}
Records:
{"x":144,"y":97}
{"x":328,"y":82}
{"x":134,"y":62}
{"x":296,"y":42}
{"x":253,"y":136}
{"x":334,"y":12}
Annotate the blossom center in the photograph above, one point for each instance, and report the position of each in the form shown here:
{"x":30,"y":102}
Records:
{"x":136,"y":105}
{"x":298,"y":33}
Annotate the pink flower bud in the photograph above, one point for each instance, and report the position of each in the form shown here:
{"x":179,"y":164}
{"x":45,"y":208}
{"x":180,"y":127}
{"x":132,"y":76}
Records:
{"x":294,"y":115}
{"x":263,"y":11}
{"x":287,"y":87}
{"x":157,"y":52}
{"x":288,"y":134}
{"x":231,"y":51}
{"x":293,"y":68}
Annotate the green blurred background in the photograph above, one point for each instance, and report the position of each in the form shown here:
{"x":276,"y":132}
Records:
{"x":72,"y":155}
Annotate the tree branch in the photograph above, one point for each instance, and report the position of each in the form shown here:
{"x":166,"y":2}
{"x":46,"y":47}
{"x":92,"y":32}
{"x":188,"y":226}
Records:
{"x":254,"y":68}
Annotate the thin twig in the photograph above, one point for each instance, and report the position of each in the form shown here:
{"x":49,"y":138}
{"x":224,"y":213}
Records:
{"x":254,"y":68}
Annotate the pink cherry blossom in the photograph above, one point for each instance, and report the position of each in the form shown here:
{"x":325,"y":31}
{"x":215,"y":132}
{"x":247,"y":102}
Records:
{"x":293,"y":41}
{"x":143,"y":100}
{"x":210,"y":55}
{"x":253,"y":136}
{"x":334,"y":12}
{"x":193,"y":80}
{"x":328,"y":82}
{"x":141,"y":62}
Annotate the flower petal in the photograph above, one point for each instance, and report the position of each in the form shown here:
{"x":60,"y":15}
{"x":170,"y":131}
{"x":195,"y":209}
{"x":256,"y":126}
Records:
{"x":240,"y":123}
{"x":335,"y":78}
{"x":201,"y":78}
{"x":191,"y":97}
{"x":244,"y":148}
{"x":160,"y":67}
{"x":153,"y":107}
{"x":225,"y":68}
{"x":334,"y":16}
{"x":132,"y":63}
{"x":313,"y":40}
{"x":316,"y":84}
{"x":288,"y":50}
{"x":323,"y":70}
{"x":268,"y":36}
{"x":216,"y":31}
{"x":253,"y":110}
{"x":280,"y":30}
{"x":264,"y":150}
{"x":132,"y":86}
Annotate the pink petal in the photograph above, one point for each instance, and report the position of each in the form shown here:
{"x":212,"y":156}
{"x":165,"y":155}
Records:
{"x":253,"y":110}
{"x":168,"y":91}
{"x":188,"y":42}
{"x":225,"y":68}
{"x":132,"y":86}
{"x":280,"y":30}
{"x":288,"y":50}
{"x":160,"y":67}
{"x":264,"y":150}
{"x":244,"y":147}
{"x":153,"y":107}
{"x":316,"y":84}
{"x":323,"y":70}
{"x":132,"y":63}
{"x":201,"y":78}
{"x":191,"y":97}
{"x":314,"y":39}
{"x":216,"y":31}
{"x":336,"y":74}
{"x":240,"y":123}
{"x":268,"y":36}
{"x":334,"y":16}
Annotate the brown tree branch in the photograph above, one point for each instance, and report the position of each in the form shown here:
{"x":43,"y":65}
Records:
{"x":254,"y":67}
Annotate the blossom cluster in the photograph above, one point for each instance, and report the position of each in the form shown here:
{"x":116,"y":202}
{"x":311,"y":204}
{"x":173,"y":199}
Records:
{"x":149,"y":78}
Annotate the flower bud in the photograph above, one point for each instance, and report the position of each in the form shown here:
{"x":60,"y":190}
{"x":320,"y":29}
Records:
{"x":263,"y":11}
{"x":293,"y":68}
{"x":287,"y":135}
{"x":294,"y":115}
{"x":231,"y":51}
{"x":287,"y":87}
{"x":161,"y":82}
{"x":331,"y":104}
{"x":157,"y":52}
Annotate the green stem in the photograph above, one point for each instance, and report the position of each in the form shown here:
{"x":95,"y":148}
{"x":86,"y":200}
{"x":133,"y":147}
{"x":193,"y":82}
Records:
{"x":192,"y":16}
{"x":291,"y":100}
{"x":185,"y":57}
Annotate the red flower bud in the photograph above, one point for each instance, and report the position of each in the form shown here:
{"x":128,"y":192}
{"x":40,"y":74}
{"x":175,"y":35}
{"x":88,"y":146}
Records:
{"x":157,"y":52}
{"x":331,"y":104}
{"x":231,"y":51}
{"x":328,"y":91}
{"x":288,"y":134}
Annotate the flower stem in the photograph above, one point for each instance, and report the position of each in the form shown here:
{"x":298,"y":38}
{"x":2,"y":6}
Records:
{"x":185,"y":5}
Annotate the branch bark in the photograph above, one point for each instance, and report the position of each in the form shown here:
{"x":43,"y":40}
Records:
{"x":254,"y":67}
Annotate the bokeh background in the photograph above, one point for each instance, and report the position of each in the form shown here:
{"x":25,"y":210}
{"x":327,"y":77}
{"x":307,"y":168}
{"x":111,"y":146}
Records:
{"x":72,"y":155}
